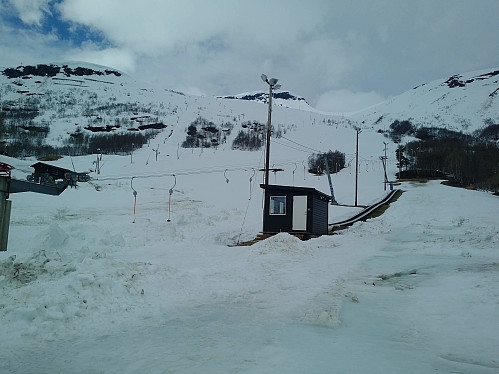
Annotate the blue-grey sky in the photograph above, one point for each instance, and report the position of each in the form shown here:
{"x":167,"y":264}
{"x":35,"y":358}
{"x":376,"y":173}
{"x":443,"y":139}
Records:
{"x":340,"y":55}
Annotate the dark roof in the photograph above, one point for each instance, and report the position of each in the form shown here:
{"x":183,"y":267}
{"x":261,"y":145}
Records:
{"x":55,"y":171}
{"x":293,"y":189}
{"x":45,"y":167}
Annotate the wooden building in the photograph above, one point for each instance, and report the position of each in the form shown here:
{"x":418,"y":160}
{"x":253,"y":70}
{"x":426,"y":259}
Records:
{"x":300,"y":210}
{"x":49,"y":174}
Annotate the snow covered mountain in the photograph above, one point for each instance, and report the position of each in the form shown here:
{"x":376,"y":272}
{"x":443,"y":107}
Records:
{"x":281,"y":98}
{"x":90,"y":99}
{"x":82,"y":96}
{"x":462,"y":102}
{"x":81,"y":99}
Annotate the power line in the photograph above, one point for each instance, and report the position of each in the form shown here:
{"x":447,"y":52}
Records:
{"x":301,"y":145}
{"x":290,"y":146}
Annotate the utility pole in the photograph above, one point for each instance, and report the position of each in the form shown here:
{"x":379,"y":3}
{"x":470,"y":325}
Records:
{"x":272,"y":82}
{"x":358,"y":130}
{"x":267,"y":144}
{"x":383,"y":160}
{"x":399,"y":154}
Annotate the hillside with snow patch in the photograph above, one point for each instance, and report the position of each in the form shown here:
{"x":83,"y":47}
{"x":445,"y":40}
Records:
{"x":462,"y":102}
{"x":77,"y":99}
{"x":91,"y":99}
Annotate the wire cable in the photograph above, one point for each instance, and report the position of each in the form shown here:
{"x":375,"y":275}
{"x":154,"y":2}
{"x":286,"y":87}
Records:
{"x":290,"y":146}
{"x":301,"y":145}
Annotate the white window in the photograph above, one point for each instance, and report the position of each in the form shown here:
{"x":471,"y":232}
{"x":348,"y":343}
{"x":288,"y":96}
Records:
{"x":277,"y":205}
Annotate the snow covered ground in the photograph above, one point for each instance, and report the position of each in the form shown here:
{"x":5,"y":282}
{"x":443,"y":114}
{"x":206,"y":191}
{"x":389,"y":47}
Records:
{"x":83,"y":289}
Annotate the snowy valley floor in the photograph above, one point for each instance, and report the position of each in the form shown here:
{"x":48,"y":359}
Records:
{"x":413,"y":291}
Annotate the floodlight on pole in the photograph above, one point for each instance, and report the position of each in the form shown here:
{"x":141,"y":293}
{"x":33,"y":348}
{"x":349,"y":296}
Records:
{"x":272,"y":82}
{"x":358,"y":130}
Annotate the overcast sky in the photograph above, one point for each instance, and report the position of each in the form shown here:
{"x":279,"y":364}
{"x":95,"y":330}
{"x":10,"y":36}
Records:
{"x":339,"y":55}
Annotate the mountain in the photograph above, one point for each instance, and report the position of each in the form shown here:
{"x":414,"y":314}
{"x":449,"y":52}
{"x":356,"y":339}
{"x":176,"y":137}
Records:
{"x":281,"y":98}
{"x":63,"y":103}
{"x":462,"y":102}
{"x":79,"y":108}
{"x":89,"y":97}
{"x":57,"y":100}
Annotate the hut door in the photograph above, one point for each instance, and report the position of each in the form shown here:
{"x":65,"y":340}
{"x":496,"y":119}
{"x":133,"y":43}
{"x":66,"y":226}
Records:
{"x":299,"y":213}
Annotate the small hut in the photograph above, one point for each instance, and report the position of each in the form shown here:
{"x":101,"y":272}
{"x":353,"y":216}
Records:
{"x":297,"y":210}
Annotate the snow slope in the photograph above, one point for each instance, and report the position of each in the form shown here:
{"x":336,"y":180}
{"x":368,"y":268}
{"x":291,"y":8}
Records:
{"x":463,"y":102}
{"x":87,"y":286}
{"x":84,"y":289}
{"x":79,"y":96}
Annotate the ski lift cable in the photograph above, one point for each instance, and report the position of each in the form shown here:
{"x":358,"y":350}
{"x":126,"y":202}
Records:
{"x":193,"y":172}
{"x":301,"y":145}
{"x":307,"y":150}
{"x":188,"y":172}
{"x":290,"y":146}
{"x":184,"y":172}
{"x":296,"y":147}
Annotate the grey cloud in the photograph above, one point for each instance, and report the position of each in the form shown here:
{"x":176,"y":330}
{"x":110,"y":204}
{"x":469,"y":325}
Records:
{"x":316,"y":47}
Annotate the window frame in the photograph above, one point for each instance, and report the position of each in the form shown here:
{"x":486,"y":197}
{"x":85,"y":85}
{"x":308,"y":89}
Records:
{"x":271,"y":206}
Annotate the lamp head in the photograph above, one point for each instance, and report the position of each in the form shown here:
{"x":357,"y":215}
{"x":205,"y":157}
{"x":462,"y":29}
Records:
{"x":264,"y":78}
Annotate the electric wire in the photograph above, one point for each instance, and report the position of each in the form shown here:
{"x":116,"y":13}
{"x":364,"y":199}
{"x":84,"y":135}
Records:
{"x":290,"y":146}
{"x":301,"y":145}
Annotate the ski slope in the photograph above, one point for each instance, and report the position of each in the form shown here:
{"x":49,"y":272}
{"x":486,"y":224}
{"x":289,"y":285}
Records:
{"x":86,"y":290}
{"x":462,"y":102}
{"x":90,"y":286}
